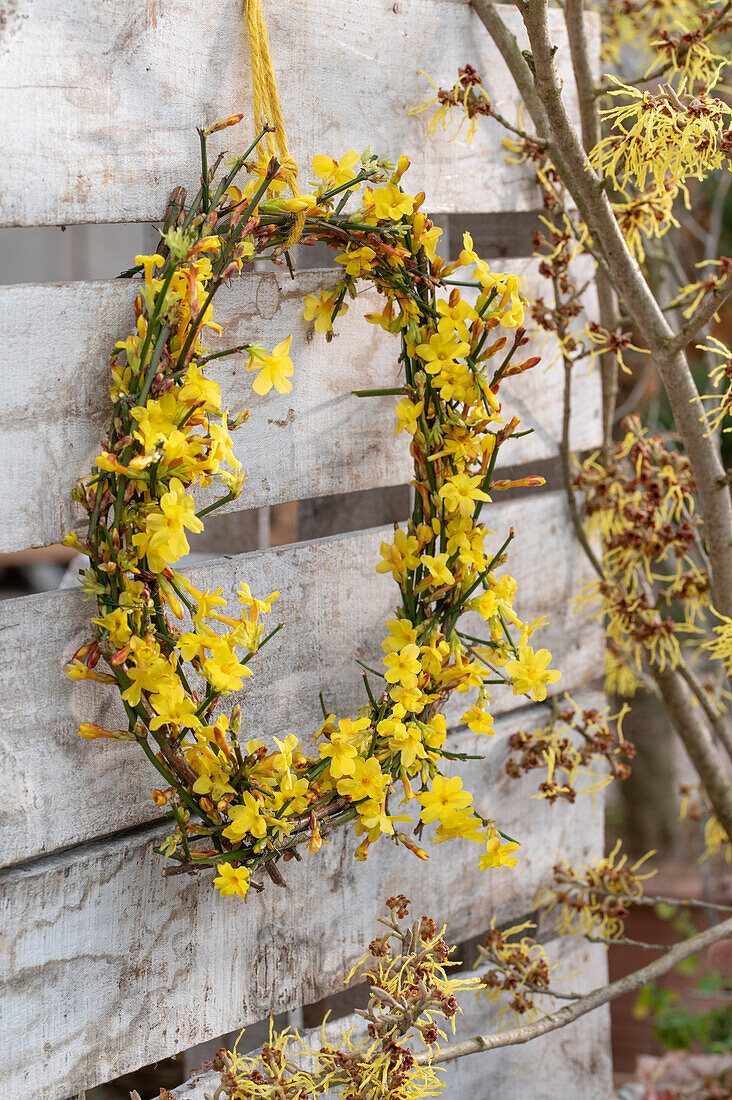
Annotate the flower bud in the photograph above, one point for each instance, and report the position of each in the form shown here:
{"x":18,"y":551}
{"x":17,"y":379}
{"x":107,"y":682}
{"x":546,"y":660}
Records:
{"x":222,"y":124}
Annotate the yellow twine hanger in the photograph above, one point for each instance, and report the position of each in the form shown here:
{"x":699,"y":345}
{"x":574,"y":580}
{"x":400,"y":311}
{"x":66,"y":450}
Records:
{"x":267,"y":106}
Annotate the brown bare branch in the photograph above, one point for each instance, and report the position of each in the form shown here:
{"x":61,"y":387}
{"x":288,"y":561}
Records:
{"x":596,"y":999}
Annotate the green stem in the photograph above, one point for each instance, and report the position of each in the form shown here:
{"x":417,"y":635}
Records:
{"x":159,"y":347}
{"x":221,"y":354}
{"x":388,"y":392}
{"x":216,"y":504}
{"x":206,"y":197}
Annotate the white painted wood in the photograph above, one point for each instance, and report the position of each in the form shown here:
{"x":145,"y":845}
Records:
{"x":314,"y":441}
{"x":96,"y":936}
{"x":58,"y":789}
{"x":100,"y":102}
{"x":575,"y":1061}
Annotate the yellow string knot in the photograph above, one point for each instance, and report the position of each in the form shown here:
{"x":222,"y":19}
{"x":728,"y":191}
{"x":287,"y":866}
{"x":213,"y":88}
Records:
{"x":267,"y":106}
{"x":288,"y":168}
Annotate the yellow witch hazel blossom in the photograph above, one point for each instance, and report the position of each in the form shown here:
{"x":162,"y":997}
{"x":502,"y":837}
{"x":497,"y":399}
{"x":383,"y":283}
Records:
{"x":410,"y":1003}
{"x":176,"y":649}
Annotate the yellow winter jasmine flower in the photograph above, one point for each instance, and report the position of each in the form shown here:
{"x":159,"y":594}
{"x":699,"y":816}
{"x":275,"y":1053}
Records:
{"x":117,"y":625}
{"x":220,"y":448}
{"x":425,"y":237}
{"x":373,"y":819}
{"x":149,"y":672}
{"x":435,"y":732}
{"x":444,"y":800}
{"x":441,"y":350}
{"x":213,"y":772}
{"x":456,"y":382}
{"x":357,"y":261}
{"x":468,"y":255}
{"x":293,"y":795}
{"x":407,"y":740}
{"x":367,"y":781}
{"x":411,"y":698}
{"x":408,"y":414}
{"x":275,"y":368}
{"x":401,"y":633}
{"x":89,"y":731}
{"x":400,"y":555}
{"x":497,"y":599}
{"x":335,"y":173}
{"x":511,"y":304}
{"x":149,"y":263}
{"x":157,"y":419}
{"x":403,"y":667}
{"x":462,"y":824}
{"x":163,"y":541}
{"x":296,"y":203}
{"x":434,"y":655}
{"x":437,"y":569}
{"x":454,"y":315}
{"x":196,"y":387}
{"x":193,"y":643}
{"x":344,"y":746}
{"x":462,"y":674}
{"x":206,"y":602}
{"x":255,"y":607}
{"x":353,"y":728}
{"x":390,"y":203}
{"x":479,"y":721}
{"x":460,"y":492}
{"x":529,"y":672}
{"x":498,"y":853}
{"x":222,"y":669}
{"x":393,"y":725}
{"x":321,"y":309}
{"x":283,"y":760}
{"x":342,"y":755}
{"x":232,"y":880}
{"x":174,"y":708}
{"x":246,"y":820}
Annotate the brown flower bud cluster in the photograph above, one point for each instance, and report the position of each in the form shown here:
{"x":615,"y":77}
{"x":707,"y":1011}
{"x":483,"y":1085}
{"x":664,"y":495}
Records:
{"x":594,"y":900}
{"x":518,"y":967}
{"x":570,"y":746}
{"x":409,"y":993}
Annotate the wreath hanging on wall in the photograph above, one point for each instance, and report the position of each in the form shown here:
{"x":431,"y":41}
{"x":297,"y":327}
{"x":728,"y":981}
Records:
{"x":175,"y":652}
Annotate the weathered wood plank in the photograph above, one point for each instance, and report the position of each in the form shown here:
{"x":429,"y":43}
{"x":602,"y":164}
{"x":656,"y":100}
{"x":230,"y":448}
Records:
{"x":60,"y":790}
{"x":100,"y":102}
{"x":314,"y":441}
{"x":97,"y":934}
{"x":575,"y":1061}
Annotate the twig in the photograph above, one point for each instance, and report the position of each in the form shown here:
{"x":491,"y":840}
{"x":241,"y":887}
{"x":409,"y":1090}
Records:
{"x":665,"y":66}
{"x":701,"y":316}
{"x":697,"y":741}
{"x":588,"y":192}
{"x":595,"y":999}
{"x":579,"y":527}
{"x":625,"y":941}
{"x":693,"y":903}
{"x":715,"y":718}
{"x":574,"y":18}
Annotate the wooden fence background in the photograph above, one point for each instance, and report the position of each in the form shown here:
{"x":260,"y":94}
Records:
{"x":106,"y":965}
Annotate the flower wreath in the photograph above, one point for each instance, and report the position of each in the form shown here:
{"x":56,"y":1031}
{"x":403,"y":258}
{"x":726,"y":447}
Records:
{"x":244,"y":806}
